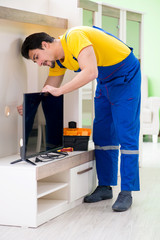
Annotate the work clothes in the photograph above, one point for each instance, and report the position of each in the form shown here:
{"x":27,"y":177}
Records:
{"x":117,"y":102}
{"x":117,"y":122}
{"x":108,"y":50}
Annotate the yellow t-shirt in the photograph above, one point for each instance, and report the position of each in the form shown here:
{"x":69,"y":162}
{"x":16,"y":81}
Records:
{"x":108,"y":50}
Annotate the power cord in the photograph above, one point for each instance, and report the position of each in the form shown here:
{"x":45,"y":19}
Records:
{"x":50,"y":156}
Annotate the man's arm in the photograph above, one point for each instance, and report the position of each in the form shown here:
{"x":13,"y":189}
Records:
{"x":54,"y":81}
{"x":88,"y":65}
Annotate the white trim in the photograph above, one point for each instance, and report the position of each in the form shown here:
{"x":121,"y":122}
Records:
{"x":111,"y":12}
{"x":81,"y":16}
{"x":88,"y":5}
{"x":98,"y":16}
{"x":122,"y":29}
{"x":122,"y":8}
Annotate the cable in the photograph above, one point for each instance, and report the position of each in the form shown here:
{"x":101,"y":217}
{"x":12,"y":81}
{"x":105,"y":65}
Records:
{"x":50,"y":156}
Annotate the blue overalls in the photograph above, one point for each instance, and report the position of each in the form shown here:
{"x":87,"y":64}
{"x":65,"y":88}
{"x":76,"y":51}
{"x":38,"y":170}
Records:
{"x":117,"y":122}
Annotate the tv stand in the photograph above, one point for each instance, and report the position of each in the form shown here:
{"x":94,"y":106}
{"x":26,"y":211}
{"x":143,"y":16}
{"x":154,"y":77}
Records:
{"x":34,"y":195}
{"x":36,"y":157}
{"x":26,"y":160}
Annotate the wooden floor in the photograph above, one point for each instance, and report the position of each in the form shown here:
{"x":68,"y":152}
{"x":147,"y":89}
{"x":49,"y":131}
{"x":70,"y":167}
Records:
{"x":97,"y":221}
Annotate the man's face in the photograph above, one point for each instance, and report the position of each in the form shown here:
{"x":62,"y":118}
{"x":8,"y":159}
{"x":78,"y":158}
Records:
{"x":42,"y":57}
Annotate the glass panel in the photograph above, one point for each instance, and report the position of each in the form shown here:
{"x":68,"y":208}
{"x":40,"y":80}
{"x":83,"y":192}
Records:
{"x":111,"y":25}
{"x":87,"y":18}
{"x":87,"y":105}
{"x":133,"y":36}
{"x":87,"y":90}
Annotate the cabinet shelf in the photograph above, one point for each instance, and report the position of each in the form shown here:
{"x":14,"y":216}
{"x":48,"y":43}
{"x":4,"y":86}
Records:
{"x":45,"y":188}
{"x":45,"y":205}
{"x":33,"y":18}
{"x":50,"y":189}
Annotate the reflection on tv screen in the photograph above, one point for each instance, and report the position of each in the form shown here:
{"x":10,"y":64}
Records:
{"x":42,"y":123}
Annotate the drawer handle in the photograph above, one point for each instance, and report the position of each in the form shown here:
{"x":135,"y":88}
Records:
{"x":86,"y":170}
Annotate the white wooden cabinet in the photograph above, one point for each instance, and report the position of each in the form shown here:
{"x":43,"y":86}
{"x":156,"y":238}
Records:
{"x":32,"y":195}
{"x":82,"y":180}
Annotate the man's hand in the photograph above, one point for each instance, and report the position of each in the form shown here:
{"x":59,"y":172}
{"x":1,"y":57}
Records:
{"x":89,"y":71}
{"x":52,"y":90}
{"x":20,"y":109}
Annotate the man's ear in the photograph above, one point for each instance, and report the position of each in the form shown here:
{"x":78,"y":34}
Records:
{"x":45,"y":45}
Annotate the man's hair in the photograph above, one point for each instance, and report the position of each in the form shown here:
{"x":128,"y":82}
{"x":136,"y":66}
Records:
{"x":34,"y":41}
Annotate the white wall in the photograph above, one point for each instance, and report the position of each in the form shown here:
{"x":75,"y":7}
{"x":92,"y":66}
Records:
{"x":19,"y":75}
{"x":39,"y":6}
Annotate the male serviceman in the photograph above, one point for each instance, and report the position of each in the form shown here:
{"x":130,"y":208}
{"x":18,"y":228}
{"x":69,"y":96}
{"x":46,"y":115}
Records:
{"x":93,"y":53}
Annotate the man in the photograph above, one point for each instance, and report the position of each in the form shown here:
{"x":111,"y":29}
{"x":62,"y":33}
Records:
{"x":94,"y":53}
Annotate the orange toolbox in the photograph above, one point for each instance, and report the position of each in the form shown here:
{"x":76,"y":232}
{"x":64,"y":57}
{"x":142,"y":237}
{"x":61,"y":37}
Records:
{"x":77,"y":138}
{"x":76,"y":132}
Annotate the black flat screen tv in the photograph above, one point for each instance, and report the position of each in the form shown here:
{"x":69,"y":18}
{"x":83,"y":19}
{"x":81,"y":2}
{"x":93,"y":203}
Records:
{"x":42,"y":124}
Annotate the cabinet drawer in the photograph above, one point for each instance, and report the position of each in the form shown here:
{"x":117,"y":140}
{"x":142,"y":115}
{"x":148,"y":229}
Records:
{"x":82,"y":180}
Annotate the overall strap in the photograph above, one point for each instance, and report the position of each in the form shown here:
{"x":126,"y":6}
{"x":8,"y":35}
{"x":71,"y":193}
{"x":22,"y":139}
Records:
{"x":60,"y":64}
{"x":101,"y":29}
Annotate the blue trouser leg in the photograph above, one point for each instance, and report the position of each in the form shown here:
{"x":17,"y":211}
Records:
{"x":128,"y":135}
{"x":104,"y":135}
{"x":117,"y":121}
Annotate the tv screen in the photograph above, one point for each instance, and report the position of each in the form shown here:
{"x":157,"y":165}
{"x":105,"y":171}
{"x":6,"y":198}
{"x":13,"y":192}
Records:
{"x":42,"y":124}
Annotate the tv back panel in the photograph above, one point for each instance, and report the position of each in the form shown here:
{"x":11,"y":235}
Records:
{"x":42,"y":125}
